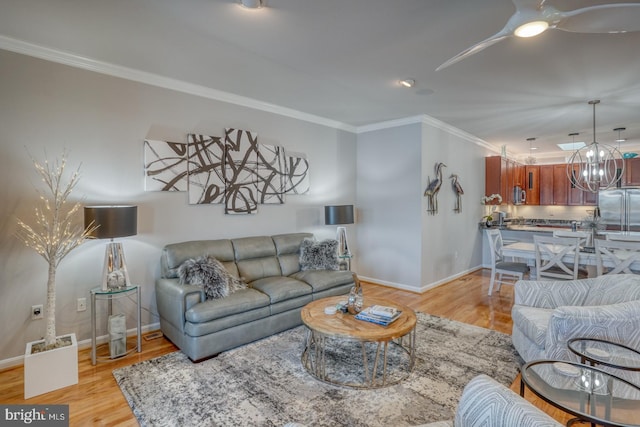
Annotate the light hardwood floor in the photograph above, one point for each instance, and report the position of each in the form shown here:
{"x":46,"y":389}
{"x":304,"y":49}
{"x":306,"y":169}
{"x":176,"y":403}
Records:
{"x":97,"y":401}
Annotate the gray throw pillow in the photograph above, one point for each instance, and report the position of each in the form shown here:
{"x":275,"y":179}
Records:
{"x":208,"y":272}
{"x":319,"y":255}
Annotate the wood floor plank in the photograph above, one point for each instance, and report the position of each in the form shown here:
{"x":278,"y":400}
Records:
{"x":97,"y":400}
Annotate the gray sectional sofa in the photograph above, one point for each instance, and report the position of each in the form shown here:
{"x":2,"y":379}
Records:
{"x":277,"y":290}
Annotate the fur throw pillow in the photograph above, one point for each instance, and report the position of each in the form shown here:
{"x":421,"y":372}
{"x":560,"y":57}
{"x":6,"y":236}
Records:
{"x":319,"y":255}
{"x":208,"y":272}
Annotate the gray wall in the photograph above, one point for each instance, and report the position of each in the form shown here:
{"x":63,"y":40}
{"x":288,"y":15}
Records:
{"x":389,"y":205}
{"x":102,"y":122}
{"x":399,"y":243}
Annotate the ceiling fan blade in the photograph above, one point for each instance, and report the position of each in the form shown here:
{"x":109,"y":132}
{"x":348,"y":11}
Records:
{"x":503,"y":34}
{"x":605,"y":18}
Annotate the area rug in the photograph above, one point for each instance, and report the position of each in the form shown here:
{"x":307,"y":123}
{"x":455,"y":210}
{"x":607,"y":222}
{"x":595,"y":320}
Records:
{"x":264,"y":383}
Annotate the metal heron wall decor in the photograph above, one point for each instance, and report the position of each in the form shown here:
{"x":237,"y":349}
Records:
{"x":457,"y":189}
{"x":433,"y":187}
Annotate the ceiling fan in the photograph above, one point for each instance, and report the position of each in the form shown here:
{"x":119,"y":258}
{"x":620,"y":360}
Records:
{"x":532,"y":17}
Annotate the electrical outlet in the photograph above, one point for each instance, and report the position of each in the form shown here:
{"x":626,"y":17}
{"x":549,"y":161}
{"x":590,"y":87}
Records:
{"x":37,"y":312}
{"x":82,"y":304}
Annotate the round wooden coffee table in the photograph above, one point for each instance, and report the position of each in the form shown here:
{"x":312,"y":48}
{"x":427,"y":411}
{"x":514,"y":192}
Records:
{"x":327,"y":332}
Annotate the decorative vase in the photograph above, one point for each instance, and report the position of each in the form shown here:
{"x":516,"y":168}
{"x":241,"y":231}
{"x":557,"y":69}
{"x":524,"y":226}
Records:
{"x":51,"y":369}
{"x":356,"y":300}
{"x":488,"y":223}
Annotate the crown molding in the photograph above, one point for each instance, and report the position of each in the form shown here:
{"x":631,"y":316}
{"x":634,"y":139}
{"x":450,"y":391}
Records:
{"x":427,"y":120}
{"x":77,"y":61}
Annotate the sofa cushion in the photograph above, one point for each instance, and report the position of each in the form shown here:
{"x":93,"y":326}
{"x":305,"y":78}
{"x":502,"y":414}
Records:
{"x":532,"y":321}
{"x":256,"y":258}
{"x":280,"y":288}
{"x":238,"y":302}
{"x":216,"y":325}
{"x":288,"y":251}
{"x":321,"y":280}
{"x":253,"y":247}
{"x":319,"y":255}
{"x":209,"y":273}
{"x":173,"y":255}
{"x":613,"y":289}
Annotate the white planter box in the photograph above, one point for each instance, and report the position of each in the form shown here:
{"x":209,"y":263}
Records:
{"x":50,"y":370}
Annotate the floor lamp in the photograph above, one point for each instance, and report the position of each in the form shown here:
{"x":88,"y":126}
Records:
{"x":112,"y":222}
{"x":338,"y":215}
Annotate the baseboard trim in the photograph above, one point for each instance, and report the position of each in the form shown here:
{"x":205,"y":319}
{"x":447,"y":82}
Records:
{"x":19,"y":360}
{"x":422,"y":288}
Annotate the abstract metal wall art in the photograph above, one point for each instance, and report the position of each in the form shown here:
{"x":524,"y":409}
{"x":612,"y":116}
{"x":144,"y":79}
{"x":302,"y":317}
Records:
{"x":164,"y":166}
{"x":205,"y":169}
{"x":297,"y":171}
{"x":272,"y":180}
{"x":240,"y":171}
{"x":234,"y":170}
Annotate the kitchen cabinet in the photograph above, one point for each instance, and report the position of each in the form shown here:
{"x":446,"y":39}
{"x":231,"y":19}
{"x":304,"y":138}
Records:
{"x":501,"y":175}
{"x":560,"y":185}
{"x":578,"y":197}
{"x":632,"y":171}
{"x":546,"y":185}
{"x":554,"y":185}
{"x":543,"y":184}
{"x":496,"y":178}
{"x":532,"y":184}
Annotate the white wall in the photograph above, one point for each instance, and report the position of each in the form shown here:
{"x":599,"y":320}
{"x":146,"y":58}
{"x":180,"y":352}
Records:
{"x":102,"y":121}
{"x":451,"y":242}
{"x":399,"y":243}
{"x":389,"y":206}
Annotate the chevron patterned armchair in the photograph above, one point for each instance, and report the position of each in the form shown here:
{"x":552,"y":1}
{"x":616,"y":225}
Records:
{"x":547,"y":314}
{"x":487,"y":403}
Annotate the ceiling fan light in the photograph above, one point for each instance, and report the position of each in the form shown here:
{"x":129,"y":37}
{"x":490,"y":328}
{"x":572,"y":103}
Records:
{"x":407,"y":83}
{"x":252,"y":4}
{"x":531,"y":29}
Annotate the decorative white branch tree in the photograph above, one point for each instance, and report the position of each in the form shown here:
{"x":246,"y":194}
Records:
{"x":55,"y":232}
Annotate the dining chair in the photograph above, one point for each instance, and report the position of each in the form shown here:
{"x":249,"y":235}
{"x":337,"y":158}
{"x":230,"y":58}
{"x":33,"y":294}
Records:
{"x":513,"y":271}
{"x":624,"y":237}
{"x":582,"y":235}
{"x":550,"y":254}
{"x":615,"y":257}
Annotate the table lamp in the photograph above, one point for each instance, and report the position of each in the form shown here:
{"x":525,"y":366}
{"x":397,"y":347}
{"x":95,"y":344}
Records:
{"x":336,"y":215}
{"x":112,"y":222}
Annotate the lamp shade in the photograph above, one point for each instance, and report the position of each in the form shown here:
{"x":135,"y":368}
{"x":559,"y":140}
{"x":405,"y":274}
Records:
{"x":112,"y":221}
{"x":340,"y":214}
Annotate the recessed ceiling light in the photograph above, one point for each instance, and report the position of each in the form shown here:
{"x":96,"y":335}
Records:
{"x":531,"y":29}
{"x":252,"y":4}
{"x":407,"y":83}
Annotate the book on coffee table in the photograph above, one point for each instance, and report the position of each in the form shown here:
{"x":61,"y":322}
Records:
{"x":368,"y":316}
{"x":383,"y":310}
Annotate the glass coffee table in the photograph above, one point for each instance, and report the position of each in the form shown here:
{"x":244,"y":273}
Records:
{"x":602,"y":352}
{"x":342,"y":350}
{"x":590,"y":394}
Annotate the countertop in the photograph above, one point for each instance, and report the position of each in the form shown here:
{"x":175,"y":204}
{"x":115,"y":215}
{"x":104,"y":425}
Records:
{"x":538,"y":228}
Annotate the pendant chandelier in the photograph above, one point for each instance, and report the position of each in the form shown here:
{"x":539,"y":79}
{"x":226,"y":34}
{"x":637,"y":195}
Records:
{"x":596,"y":166}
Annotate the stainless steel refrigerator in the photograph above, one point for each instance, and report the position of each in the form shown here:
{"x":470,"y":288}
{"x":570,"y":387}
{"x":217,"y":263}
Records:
{"x":620,"y":209}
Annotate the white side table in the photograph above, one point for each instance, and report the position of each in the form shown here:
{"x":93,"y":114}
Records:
{"x":109,"y":295}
